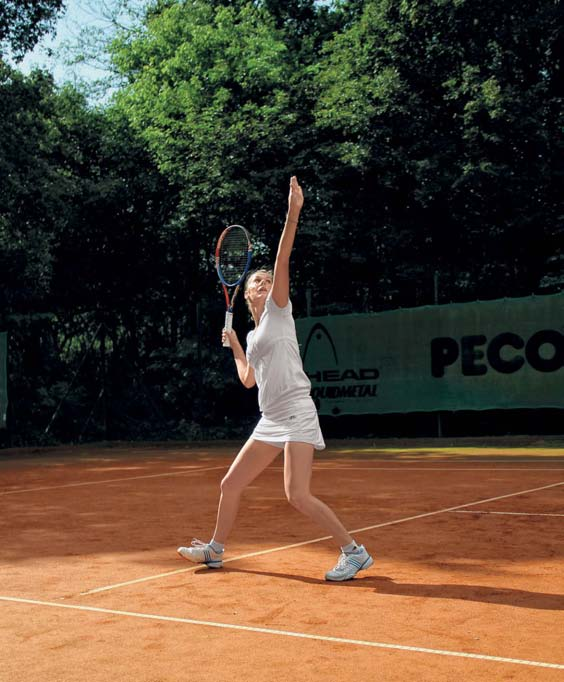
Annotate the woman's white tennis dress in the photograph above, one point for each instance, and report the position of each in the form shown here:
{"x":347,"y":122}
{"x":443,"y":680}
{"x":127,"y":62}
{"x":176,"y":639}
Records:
{"x":288,"y":412}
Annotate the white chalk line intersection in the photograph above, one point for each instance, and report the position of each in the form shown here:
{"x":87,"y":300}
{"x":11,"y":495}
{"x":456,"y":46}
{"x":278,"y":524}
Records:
{"x":109,"y":480}
{"x":323,"y":539}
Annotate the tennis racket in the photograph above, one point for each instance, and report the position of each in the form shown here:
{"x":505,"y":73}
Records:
{"x":233,"y":255}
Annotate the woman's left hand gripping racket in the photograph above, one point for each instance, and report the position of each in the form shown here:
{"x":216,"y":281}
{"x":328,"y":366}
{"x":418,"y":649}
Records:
{"x":233,"y":255}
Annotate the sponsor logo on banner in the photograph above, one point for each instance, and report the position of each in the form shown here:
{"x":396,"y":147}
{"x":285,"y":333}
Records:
{"x":329,"y":380}
{"x":475,"y":354}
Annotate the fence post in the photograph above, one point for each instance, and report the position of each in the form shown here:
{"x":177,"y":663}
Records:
{"x":104,"y":382}
{"x":436,"y":301}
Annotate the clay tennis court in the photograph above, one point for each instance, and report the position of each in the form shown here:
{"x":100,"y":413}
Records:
{"x":468,"y":579}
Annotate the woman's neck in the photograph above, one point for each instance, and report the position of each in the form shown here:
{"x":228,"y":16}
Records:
{"x":257,"y":312}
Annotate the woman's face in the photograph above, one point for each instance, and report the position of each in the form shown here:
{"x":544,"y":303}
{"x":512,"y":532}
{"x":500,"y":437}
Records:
{"x":258,"y":286}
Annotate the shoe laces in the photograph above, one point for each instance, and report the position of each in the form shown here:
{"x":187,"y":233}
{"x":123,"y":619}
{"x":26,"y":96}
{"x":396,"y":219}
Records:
{"x":342,"y":562}
{"x":198,"y":543}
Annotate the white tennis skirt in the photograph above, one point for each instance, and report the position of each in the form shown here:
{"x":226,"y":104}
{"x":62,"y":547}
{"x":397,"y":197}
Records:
{"x":300,"y":425}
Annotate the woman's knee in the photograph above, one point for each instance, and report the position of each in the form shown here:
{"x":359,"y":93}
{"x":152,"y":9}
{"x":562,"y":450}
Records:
{"x":230,"y":486}
{"x":298,"y":498}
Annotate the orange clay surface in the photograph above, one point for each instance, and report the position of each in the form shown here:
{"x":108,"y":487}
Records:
{"x":92,"y":588}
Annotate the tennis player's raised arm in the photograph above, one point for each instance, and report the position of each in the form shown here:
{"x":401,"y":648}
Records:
{"x":281,"y":281}
{"x":244,"y":370}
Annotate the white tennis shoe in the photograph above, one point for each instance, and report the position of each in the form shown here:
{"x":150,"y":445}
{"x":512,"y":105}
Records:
{"x":202,"y":553}
{"x":350,"y":564}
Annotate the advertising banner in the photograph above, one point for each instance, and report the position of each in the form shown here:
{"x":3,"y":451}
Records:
{"x":501,"y":354}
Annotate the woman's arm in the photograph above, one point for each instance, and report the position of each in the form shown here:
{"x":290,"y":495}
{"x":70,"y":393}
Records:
{"x":281,"y":281}
{"x":244,"y":370}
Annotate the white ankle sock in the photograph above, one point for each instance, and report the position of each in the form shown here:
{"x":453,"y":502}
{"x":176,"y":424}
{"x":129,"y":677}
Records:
{"x":348,"y":549}
{"x":217,"y":546}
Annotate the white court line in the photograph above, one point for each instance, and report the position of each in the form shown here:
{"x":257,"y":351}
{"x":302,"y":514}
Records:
{"x":316,"y":469}
{"x":311,"y":542}
{"x":505,"y":513}
{"x":288,"y":633}
{"x":405,"y":462}
{"x":429,"y":468}
{"x":558,"y":459}
{"x":109,"y":480}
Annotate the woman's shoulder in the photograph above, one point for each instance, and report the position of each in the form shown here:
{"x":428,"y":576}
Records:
{"x":274,"y":308}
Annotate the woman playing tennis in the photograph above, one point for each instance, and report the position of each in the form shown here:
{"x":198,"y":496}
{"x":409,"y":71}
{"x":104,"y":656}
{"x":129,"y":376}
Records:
{"x":289,"y":420}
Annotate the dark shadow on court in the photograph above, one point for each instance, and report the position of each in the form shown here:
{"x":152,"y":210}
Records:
{"x":385,"y":585}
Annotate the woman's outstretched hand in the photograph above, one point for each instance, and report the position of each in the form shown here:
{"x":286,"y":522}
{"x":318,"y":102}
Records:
{"x":295,"y":198}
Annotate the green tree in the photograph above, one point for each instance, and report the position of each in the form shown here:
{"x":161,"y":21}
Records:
{"x":445,"y":116}
{"x":208,"y":94}
{"x":24,"y":22}
{"x":83,"y":242}
{"x":222,"y":94}
{"x":31,"y":189}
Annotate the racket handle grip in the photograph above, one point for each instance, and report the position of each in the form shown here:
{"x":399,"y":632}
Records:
{"x":228,"y":326}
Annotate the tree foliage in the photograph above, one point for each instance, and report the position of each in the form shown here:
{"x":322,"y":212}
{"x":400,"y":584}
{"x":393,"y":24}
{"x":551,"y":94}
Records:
{"x":208,"y":94}
{"x":427,"y":135}
{"x":24,"y":22}
{"x":31,"y":195}
{"x":449,"y":115}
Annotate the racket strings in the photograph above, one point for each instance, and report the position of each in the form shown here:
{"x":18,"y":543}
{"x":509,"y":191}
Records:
{"x":233,"y":255}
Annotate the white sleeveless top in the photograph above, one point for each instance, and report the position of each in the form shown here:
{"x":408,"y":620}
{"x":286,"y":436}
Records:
{"x":274,"y":354}
{"x":288,"y":412}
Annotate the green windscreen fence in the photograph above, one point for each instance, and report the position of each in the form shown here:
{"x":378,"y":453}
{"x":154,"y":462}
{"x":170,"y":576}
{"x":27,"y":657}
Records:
{"x":3,"y":378}
{"x":501,"y":354}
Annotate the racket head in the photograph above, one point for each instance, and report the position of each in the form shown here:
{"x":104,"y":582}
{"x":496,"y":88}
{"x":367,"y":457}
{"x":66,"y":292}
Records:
{"x":233,"y":254}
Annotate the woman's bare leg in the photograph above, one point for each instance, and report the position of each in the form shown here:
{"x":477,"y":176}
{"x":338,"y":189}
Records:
{"x":252,"y":459}
{"x":298,"y":460}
